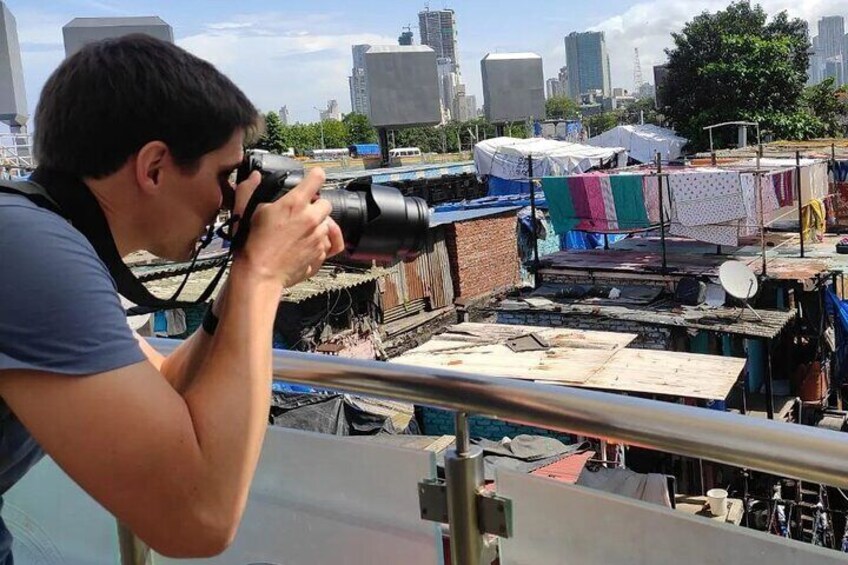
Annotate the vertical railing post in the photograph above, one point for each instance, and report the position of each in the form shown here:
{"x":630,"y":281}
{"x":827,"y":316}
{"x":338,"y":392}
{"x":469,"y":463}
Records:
{"x":464,"y":478}
{"x":133,"y":550}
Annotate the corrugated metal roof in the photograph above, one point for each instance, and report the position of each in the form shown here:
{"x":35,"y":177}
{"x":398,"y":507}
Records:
{"x":566,"y":470}
{"x":329,"y":278}
{"x":454,"y":216}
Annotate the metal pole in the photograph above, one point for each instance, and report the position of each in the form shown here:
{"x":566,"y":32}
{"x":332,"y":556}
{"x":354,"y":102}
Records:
{"x":769,"y":383}
{"x":464,"y":479}
{"x":759,"y":196}
{"x":802,"y":452}
{"x":133,"y":550}
{"x":800,"y":203}
{"x":835,"y":195}
{"x":533,"y":222}
{"x":662,"y":212}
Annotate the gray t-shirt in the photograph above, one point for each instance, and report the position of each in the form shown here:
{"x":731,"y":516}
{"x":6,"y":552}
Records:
{"x":59,"y":312}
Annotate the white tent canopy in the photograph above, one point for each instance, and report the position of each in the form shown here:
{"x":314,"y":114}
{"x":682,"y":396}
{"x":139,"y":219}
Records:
{"x":642,"y":142}
{"x":506,"y":157}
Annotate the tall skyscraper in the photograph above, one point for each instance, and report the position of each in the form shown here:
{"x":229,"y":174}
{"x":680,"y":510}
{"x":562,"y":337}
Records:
{"x":553,"y":88}
{"x":588,"y":63}
{"x":358,"y":81}
{"x":284,"y":115}
{"x":13,"y":105}
{"x":332,"y":112}
{"x":814,"y":69}
{"x":449,"y":82}
{"x":831,"y":36}
{"x":438,"y":31}
{"x":830,"y":52}
{"x":563,"y":80}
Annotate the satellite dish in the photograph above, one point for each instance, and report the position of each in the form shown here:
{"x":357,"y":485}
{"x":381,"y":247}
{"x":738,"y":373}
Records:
{"x":739,"y":281}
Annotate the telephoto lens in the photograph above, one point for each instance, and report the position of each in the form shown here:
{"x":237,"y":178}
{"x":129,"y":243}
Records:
{"x":377,"y":221}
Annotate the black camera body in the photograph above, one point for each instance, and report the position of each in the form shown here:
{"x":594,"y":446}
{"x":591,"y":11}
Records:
{"x":378,"y":223}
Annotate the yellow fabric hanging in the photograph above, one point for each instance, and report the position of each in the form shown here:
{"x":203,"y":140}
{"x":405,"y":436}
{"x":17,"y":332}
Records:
{"x":813,"y":221}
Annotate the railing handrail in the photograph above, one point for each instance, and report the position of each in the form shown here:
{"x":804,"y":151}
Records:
{"x":801,"y":452}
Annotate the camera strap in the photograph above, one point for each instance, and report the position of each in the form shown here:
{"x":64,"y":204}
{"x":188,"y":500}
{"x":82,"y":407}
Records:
{"x":70,"y":198}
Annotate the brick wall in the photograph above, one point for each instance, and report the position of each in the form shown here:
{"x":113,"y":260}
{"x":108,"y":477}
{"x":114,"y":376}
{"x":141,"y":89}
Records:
{"x":483,"y":255}
{"x":649,"y":336}
{"x":600,"y":280}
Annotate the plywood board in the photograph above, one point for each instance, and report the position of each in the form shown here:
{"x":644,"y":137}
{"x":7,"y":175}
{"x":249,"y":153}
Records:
{"x":581,"y":358}
{"x":670,"y":373}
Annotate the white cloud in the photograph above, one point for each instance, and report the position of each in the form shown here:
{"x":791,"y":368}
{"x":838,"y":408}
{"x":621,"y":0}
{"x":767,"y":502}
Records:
{"x":277,"y":62}
{"x":648,"y":27}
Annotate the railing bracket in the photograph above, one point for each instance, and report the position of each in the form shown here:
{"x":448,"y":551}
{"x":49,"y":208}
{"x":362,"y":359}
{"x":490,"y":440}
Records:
{"x":494,"y":512}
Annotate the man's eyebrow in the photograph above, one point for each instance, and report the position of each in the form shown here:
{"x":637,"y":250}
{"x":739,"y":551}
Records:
{"x":229,"y":168}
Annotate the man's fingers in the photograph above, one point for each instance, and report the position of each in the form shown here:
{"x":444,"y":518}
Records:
{"x":307,"y":190}
{"x":335,"y":236}
{"x":245,"y":190}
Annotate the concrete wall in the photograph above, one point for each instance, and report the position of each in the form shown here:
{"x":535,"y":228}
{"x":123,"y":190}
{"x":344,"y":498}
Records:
{"x":483,"y":255}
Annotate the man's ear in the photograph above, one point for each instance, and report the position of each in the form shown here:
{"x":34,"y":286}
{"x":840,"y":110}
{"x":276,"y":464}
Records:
{"x":150,"y":164}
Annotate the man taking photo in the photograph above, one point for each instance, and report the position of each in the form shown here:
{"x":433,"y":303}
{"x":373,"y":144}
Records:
{"x":144,"y":136}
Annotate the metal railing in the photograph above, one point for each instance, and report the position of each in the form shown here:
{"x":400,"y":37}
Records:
{"x":801,"y":452}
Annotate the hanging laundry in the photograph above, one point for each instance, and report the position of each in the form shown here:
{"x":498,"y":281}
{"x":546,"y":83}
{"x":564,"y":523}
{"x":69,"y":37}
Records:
{"x":651,"y":194}
{"x":560,"y":205}
{"x":629,"y":198}
{"x":609,"y":204}
{"x":753,"y":198}
{"x":784,"y":187}
{"x":588,"y":202}
{"x":813,"y":221}
{"x":707,"y":206}
{"x":707,"y":198}
{"x":839,"y":171}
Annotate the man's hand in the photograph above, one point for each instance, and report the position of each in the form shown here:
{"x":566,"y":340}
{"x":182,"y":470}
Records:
{"x":290,"y":238}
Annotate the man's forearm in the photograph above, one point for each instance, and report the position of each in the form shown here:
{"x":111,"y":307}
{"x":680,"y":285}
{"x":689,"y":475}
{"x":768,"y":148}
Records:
{"x":229,"y":396}
{"x":181,"y":366}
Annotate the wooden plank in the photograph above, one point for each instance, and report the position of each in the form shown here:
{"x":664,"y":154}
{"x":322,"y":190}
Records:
{"x":669,"y":373}
{"x":476,"y":333}
{"x":577,"y":358}
{"x":563,"y":365}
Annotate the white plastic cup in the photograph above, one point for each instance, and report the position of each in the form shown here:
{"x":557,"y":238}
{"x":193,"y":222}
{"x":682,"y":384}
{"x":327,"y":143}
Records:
{"x":717,"y":499}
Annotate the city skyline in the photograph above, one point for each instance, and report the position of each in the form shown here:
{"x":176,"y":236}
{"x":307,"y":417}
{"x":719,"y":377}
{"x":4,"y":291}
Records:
{"x":301,"y":57}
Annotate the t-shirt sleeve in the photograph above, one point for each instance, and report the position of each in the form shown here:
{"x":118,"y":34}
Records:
{"x":59,"y":309}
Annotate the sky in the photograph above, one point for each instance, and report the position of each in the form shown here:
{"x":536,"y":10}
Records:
{"x":298,"y":53}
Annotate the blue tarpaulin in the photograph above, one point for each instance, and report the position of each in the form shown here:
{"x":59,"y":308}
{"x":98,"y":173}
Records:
{"x":839,"y":310}
{"x":365,"y":150}
{"x":502,"y":187}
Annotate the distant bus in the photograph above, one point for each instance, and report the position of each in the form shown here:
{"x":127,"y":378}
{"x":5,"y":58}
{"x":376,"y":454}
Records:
{"x":364,"y":150}
{"x":329,"y":154}
{"x":399,"y":152}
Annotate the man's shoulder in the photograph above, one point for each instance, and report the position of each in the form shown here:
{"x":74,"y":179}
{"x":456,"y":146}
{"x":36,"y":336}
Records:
{"x":24,"y":223}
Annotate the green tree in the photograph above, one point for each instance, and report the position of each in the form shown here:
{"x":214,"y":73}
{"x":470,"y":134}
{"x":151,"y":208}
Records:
{"x":273,"y":138}
{"x":644,"y":107}
{"x":335,"y":133}
{"x":599,"y":123}
{"x":736,"y":65}
{"x":824,"y":101}
{"x":561,"y":107}
{"x":359,"y":129}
